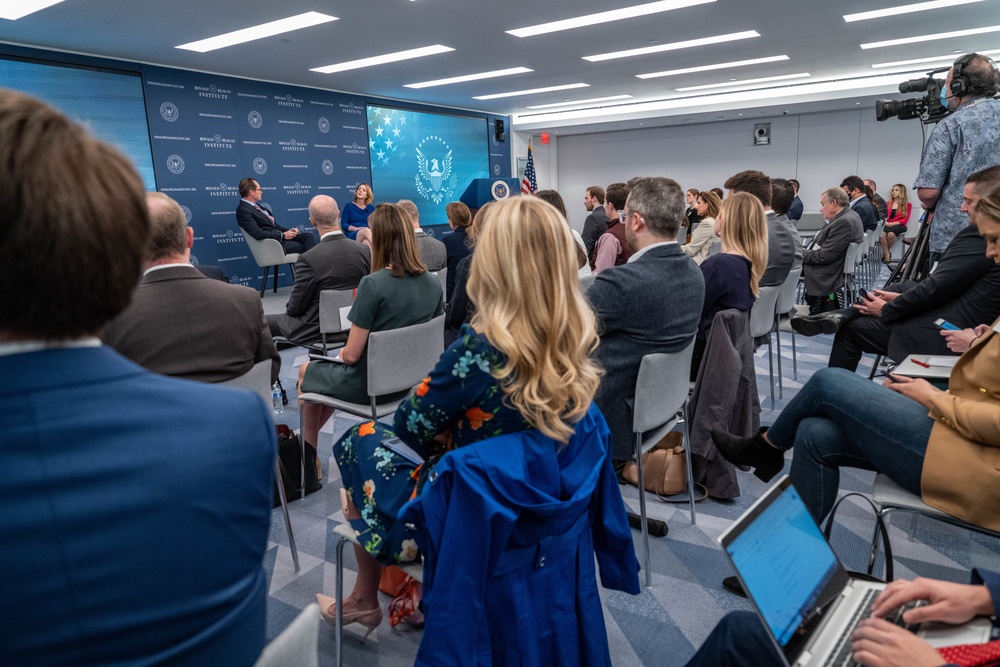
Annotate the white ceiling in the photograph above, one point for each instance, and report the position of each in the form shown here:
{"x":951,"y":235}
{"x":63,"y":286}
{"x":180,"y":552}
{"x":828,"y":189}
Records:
{"x":812,"y":33}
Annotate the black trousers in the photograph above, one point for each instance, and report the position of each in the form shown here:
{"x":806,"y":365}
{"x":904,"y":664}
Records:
{"x":857,"y":336}
{"x":739,"y":640}
{"x":304,"y":241}
{"x":821,"y":304}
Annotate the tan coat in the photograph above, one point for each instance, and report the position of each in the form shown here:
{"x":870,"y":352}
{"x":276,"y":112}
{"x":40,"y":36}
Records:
{"x":961,"y":473}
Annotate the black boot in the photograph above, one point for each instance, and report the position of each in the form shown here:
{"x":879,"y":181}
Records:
{"x":753,"y":451}
{"x":313,"y":475}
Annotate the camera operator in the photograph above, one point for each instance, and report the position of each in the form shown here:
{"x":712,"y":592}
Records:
{"x":962,"y":143}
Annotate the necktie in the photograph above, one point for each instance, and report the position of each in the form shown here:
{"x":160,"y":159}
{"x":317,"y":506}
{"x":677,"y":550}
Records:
{"x":973,"y":655}
{"x":265,"y":213}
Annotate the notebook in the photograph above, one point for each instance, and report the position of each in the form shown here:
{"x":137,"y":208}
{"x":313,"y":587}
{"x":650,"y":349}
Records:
{"x":806,"y":599}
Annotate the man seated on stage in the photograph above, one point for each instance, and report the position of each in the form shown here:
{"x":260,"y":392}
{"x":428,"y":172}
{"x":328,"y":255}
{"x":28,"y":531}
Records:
{"x":182,"y":323}
{"x":337,"y":263}
{"x":740,"y":639}
{"x":136,"y":507}
{"x":964,"y":289}
{"x":258,"y":220}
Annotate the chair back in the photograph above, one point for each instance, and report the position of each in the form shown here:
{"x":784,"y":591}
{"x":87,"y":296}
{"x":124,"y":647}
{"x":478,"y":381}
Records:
{"x":267,"y":252}
{"x":661,"y":388}
{"x":330,"y":303}
{"x":788,"y":292}
{"x":399,"y":359}
{"x":442,"y":277}
{"x":851,"y":258}
{"x":587,"y":281}
{"x":257,"y":379}
{"x":715,"y":248}
{"x":762,"y":312}
{"x":297,"y":645}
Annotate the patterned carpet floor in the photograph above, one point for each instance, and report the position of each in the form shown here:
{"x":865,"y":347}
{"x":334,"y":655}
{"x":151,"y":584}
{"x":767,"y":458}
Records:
{"x":665,"y":623}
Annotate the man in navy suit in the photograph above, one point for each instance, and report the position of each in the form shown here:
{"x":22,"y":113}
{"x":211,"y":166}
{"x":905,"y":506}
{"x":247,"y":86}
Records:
{"x":136,"y":507}
{"x":860,"y":204}
{"x":258,"y":220}
{"x":651,"y":303}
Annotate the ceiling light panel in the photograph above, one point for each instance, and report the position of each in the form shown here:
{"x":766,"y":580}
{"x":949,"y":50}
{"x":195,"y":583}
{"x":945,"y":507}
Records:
{"x":906,"y":9}
{"x":261,"y":31}
{"x":470,"y":77}
{"x":605,"y":17}
{"x":745,"y":82}
{"x":592,"y":100}
{"x":383,"y":59}
{"x":948,"y":59}
{"x":709,"y":68}
{"x":17,"y":9}
{"x":674,"y":46}
{"x":928,"y":38}
{"x":532,"y":91}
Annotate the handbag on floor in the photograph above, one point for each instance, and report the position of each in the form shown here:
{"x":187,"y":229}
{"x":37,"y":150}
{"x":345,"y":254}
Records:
{"x":290,"y":463}
{"x":664,"y":468}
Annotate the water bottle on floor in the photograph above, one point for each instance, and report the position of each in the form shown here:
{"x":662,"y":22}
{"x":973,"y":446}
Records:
{"x":276,"y":399}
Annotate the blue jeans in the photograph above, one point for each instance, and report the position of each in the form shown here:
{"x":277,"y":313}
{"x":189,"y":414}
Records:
{"x":839,"y":419}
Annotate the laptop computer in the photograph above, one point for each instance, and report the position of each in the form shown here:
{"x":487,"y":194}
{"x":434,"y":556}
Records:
{"x":806,"y":599}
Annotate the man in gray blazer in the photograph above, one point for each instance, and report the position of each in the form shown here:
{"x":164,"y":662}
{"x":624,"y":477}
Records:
{"x":336,"y":263}
{"x":180,"y":322}
{"x":650,"y":304}
{"x":432,"y":252}
{"x":823,"y":260}
{"x":786,"y":236}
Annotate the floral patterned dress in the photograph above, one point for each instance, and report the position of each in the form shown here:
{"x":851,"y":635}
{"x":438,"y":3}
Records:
{"x":460,"y":399}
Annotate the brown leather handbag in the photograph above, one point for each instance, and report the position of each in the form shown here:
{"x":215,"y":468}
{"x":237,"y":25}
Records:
{"x":664,"y":468}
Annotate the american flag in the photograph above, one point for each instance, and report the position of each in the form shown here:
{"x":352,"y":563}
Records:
{"x":529,"y":185}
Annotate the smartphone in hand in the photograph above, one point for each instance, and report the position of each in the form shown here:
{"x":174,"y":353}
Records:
{"x":946,"y":325}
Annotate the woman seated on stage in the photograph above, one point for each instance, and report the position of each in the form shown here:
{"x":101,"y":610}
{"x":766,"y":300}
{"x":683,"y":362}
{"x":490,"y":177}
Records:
{"x":354,"y":219}
{"x":524,"y":363}
{"x":941,"y":445}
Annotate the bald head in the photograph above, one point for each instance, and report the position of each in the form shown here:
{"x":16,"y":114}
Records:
{"x":324,"y":213}
{"x":170,"y":237}
{"x":411,"y":210}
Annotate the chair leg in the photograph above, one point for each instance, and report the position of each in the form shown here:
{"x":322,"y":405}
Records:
{"x":795,"y":358}
{"x":686,"y":437}
{"x":642,"y":509}
{"x":284,"y":508}
{"x":276,"y":279}
{"x":339,"y":626}
{"x":777,"y":338}
{"x":263,"y":282}
{"x":302,"y":464}
{"x":770,"y":363}
{"x":323,"y":337}
{"x":875,"y":365}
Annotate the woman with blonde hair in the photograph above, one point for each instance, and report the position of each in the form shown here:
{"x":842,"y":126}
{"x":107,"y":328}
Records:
{"x":895,"y":225}
{"x":707,"y":205}
{"x":523,"y":363}
{"x":732,"y":277}
{"x":354,"y":219}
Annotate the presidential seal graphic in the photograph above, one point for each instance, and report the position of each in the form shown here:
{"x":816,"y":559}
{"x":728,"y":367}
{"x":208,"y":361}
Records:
{"x":499,"y":190}
{"x":175,"y":164}
{"x":434,"y":178}
{"x":187,"y":213}
{"x":327,"y":167}
{"x":194,"y":261}
{"x":260,"y":165}
{"x":496,"y":170}
{"x":324,"y":125}
{"x":169,"y":111}
{"x":255,"y":119}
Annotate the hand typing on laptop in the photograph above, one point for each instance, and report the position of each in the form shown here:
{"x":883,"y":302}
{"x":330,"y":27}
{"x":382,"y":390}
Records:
{"x":879,"y":643}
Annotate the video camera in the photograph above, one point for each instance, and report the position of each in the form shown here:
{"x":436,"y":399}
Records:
{"x":927,"y":108}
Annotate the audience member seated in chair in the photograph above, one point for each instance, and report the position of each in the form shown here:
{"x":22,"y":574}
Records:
{"x":823,"y":260}
{"x":456,"y":242}
{"x":740,"y":640}
{"x":941,"y":445}
{"x":522,"y":364}
{"x":257,"y":219}
{"x":183,"y":324}
{"x":459,"y":309}
{"x":636,"y":316}
{"x":732,"y":278}
{"x":963,"y":289}
{"x":337,"y":263}
{"x":136,"y":507}
{"x":432,"y":252}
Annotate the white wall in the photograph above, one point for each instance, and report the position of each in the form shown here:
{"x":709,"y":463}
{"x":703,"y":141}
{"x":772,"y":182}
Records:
{"x":817,"y":149}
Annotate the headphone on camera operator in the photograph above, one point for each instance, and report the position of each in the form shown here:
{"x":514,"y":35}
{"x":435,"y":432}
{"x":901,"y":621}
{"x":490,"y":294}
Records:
{"x":966,"y":84}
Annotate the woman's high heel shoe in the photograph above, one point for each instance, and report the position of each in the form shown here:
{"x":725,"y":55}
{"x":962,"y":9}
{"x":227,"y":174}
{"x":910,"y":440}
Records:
{"x":371,"y":618}
{"x":755,"y":451}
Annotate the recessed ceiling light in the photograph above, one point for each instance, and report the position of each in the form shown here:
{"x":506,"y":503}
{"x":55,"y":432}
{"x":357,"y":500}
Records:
{"x":532,"y":91}
{"x":687,"y":44}
{"x":905,"y":9}
{"x":383,"y":59}
{"x":592,"y":100}
{"x":917,"y":61}
{"x":261,"y":31}
{"x":928,"y":38}
{"x":709,"y":68}
{"x":470,"y":77}
{"x":16,"y":9}
{"x":605,"y":17}
{"x":744,"y":82}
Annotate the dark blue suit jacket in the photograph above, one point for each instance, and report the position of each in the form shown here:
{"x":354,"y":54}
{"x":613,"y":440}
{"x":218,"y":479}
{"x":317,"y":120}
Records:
{"x":135,"y":514}
{"x":257,"y":223}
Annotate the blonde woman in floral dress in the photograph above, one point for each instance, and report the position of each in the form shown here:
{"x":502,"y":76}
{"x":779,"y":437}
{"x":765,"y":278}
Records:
{"x":524,"y":285}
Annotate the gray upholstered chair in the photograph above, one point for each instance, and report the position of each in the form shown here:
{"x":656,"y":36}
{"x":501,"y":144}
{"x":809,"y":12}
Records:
{"x":398,"y":359}
{"x":442,"y":277}
{"x":782,"y":307}
{"x":661,"y":396}
{"x":258,"y":379}
{"x":268,"y":253}
{"x":297,"y":645}
{"x":762,"y":322}
{"x":331,"y":301}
